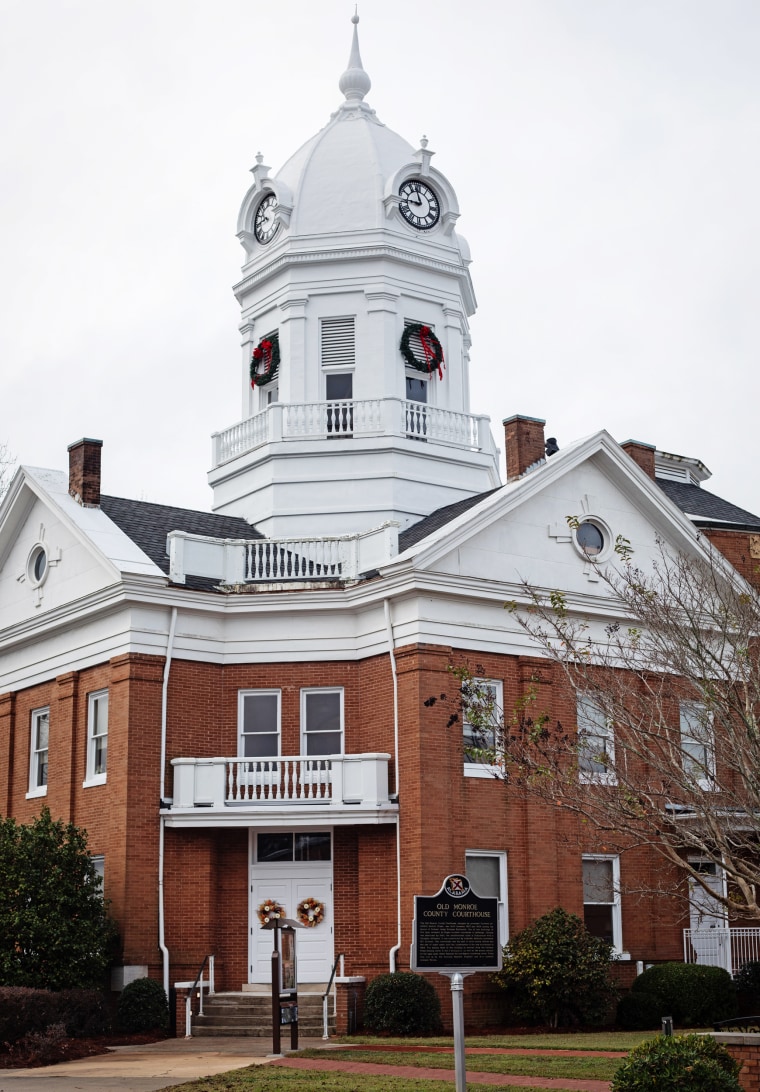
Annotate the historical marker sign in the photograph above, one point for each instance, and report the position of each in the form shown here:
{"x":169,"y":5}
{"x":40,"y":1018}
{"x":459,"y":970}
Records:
{"x":455,"y":931}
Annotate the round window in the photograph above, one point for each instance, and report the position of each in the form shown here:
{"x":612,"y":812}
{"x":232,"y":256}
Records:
{"x":590,"y":539}
{"x":37,"y":565}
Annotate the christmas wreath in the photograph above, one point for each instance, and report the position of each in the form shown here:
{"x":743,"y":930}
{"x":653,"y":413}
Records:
{"x":269,"y":910}
{"x":310,"y":912}
{"x":265,"y":360}
{"x":418,"y":337}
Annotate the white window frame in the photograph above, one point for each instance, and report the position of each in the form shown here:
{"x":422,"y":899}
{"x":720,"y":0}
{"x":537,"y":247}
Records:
{"x":99,"y":864}
{"x":304,"y":730}
{"x":690,"y":763}
{"x":603,"y":732}
{"x":95,"y":702}
{"x":501,"y":856}
{"x":484,"y":769}
{"x":36,"y":752}
{"x":242,"y":695}
{"x":617,"y":914}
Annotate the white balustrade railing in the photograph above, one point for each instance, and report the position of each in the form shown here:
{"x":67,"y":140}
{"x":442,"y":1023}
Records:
{"x":351,"y":417}
{"x":300,"y":559}
{"x":337,"y":780}
{"x":278,"y":779}
{"x":721,"y":947}
{"x":240,"y":561}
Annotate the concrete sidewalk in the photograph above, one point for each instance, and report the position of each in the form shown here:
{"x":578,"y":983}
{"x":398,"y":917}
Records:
{"x":147,"y":1067}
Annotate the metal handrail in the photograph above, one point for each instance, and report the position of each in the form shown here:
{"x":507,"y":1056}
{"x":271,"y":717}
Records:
{"x":338,"y":959}
{"x":191,"y":988}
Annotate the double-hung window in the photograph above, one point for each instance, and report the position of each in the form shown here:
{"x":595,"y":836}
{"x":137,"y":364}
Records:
{"x":322,"y":721}
{"x":97,"y":737}
{"x":596,"y":744}
{"x":487,"y":872}
{"x":601,"y":899}
{"x":38,"y":752}
{"x":697,"y":743}
{"x":259,"y":723}
{"x":482,"y":705}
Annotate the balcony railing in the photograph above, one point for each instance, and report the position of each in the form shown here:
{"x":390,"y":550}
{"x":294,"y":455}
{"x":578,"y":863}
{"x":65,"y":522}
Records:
{"x":283,"y":421}
{"x":341,"y":781}
{"x":276,"y":560}
{"x":721,"y":947}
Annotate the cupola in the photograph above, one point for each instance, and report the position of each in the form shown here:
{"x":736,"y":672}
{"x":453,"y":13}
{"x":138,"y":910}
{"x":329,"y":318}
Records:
{"x":355,"y":300}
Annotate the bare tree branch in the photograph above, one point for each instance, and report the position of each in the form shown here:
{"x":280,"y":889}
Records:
{"x":670,"y":758}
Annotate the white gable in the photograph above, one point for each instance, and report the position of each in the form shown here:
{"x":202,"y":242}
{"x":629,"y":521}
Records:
{"x":522,"y":533}
{"x":85,"y":551}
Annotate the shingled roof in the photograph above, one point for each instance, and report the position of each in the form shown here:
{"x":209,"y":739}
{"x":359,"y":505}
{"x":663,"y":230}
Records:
{"x":707,"y":510}
{"x":703,"y":508}
{"x":414,"y":534}
{"x":148,"y":525}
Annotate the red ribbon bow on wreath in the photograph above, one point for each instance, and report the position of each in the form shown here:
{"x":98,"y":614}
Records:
{"x":267,"y":352}
{"x":429,"y":351}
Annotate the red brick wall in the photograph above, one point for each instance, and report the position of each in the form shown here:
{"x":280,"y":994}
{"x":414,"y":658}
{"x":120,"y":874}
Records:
{"x":442,"y":813}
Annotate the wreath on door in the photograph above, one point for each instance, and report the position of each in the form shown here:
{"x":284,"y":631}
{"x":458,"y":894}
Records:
{"x":310,"y":912}
{"x":270,"y":910}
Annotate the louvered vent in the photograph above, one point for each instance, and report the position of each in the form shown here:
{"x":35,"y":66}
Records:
{"x":338,"y":342}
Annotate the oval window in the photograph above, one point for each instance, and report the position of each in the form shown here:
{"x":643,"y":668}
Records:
{"x":37,"y":565}
{"x":590,"y":539}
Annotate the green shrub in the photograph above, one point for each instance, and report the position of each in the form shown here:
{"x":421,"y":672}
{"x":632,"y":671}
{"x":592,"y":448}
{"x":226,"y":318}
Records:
{"x":25,"y":1011}
{"x":678,"y":1063}
{"x":402,"y":1004}
{"x":694,"y":995}
{"x":143,"y":1006}
{"x":747,"y":982}
{"x":556,"y":972}
{"x":638,"y":1012}
{"x":55,"y":932}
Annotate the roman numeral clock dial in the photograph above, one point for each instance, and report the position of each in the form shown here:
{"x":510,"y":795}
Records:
{"x":265,"y":224}
{"x":419,"y":204}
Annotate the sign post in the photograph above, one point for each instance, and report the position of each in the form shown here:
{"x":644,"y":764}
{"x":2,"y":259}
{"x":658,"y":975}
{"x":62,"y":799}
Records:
{"x":456,"y":933}
{"x":284,"y":980}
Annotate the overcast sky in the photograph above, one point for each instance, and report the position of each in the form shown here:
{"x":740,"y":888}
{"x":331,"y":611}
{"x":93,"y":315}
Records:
{"x":606,"y":156}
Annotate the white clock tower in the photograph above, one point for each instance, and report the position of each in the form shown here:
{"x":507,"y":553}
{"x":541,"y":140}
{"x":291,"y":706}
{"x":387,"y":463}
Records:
{"x":355,"y":297}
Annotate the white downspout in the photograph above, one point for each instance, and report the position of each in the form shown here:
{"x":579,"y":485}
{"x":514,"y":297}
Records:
{"x":162,"y":820}
{"x":393,"y":953}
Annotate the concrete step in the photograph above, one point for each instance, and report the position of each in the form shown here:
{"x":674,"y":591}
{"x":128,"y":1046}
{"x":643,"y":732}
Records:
{"x":230,"y":1014}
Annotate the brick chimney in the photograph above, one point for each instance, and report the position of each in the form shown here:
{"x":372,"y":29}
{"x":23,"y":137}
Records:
{"x":641,"y":453}
{"x":524,"y":444}
{"x":84,"y":472}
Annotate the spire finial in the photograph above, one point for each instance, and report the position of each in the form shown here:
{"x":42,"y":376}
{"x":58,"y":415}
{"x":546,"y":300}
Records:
{"x":355,"y":83}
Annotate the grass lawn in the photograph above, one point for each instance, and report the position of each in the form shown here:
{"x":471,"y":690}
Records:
{"x":270,"y":1079}
{"x":591,"y":1040}
{"x":579,"y":1068}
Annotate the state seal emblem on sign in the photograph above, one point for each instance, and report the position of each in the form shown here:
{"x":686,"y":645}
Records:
{"x":457,"y":886}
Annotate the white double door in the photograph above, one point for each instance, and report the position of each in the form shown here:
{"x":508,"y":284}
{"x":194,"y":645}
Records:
{"x":288,"y":883}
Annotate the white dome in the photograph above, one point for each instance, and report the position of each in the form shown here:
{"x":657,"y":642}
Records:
{"x":338,"y":178}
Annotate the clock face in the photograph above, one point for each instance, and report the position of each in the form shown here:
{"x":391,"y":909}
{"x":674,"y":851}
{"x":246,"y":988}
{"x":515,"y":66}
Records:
{"x":265,"y":224}
{"x":419,"y":204}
